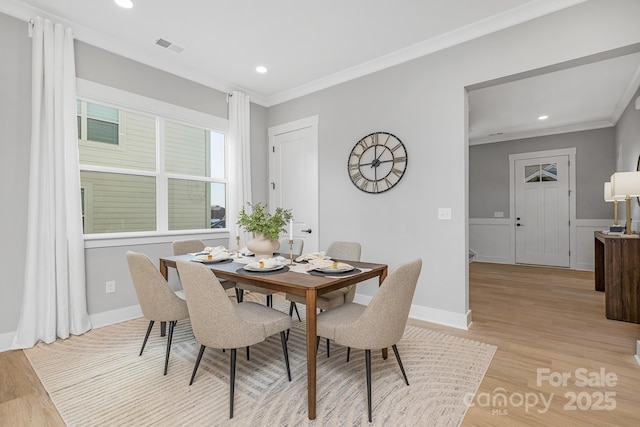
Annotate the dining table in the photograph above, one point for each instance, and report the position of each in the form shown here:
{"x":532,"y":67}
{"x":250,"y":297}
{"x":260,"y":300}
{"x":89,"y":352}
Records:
{"x":292,"y":279}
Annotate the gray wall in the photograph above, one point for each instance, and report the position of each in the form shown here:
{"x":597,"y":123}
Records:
{"x":628,"y":148}
{"x":595,"y":162}
{"x":15,"y":132}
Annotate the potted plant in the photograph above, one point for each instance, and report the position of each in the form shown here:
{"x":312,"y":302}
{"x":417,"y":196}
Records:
{"x":266,"y":228}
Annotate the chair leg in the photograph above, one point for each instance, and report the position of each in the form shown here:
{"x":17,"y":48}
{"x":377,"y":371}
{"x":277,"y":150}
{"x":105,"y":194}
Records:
{"x":317,"y":344}
{"x":293,"y":306}
{"x":270,"y":301}
{"x":232,"y":380}
{"x":348,"y":353}
{"x":247,"y":352}
{"x":328,"y":348}
{"x":286,"y":353}
{"x":195,"y":368}
{"x":395,"y":350}
{"x":146,"y":337}
{"x":367,"y":360}
{"x":240,"y":294}
{"x":172,"y":325}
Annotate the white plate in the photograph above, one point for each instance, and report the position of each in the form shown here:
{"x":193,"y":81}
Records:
{"x":210,"y":261}
{"x":275,"y":267}
{"x":335,"y":270}
{"x":307,"y":258}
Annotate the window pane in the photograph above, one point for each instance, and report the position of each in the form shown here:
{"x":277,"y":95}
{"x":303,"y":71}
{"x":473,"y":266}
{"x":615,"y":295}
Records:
{"x":196,"y":205}
{"x":115,"y":203}
{"x":137,"y":148}
{"x":217,"y":155}
{"x":102,"y":112}
{"x":550,"y":172}
{"x":100,"y":131}
{"x":532,"y":173}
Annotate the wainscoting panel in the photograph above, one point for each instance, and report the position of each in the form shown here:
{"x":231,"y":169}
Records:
{"x":490,"y":239}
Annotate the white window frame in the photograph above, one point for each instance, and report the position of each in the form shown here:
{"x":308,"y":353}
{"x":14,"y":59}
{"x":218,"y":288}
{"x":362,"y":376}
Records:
{"x":101,"y":94}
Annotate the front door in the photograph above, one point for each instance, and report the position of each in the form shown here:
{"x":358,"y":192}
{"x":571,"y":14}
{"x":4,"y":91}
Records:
{"x":542,"y":210}
{"x":293,"y":176}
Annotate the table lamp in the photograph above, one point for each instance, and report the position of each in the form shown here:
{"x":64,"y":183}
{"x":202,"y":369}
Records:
{"x":608,"y":197}
{"x":627,"y":185}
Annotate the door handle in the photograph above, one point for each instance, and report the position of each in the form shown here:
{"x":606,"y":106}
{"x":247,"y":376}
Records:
{"x":518,"y":225}
{"x":308,"y":230}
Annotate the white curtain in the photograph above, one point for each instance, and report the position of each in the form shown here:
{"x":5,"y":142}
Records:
{"x":54,"y":300}
{"x":239,"y":160}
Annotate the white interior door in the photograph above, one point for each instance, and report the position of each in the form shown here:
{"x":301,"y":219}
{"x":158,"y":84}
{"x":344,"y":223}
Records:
{"x":293,"y":176}
{"x":542,"y":211}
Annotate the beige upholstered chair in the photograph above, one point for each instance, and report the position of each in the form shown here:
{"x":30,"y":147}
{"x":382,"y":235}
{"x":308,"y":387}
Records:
{"x":298,"y":244}
{"x":183,"y":247}
{"x":219,"y":323}
{"x":381,"y":324}
{"x":157,"y":300}
{"x":345,"y":251}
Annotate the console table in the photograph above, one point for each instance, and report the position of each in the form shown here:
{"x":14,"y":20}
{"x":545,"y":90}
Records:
{"x":617,"y":273}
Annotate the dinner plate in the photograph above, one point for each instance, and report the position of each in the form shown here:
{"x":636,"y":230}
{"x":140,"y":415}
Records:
{"x":335,"y":270}
{"x":275,"y":267}
{"x":211,"y":261}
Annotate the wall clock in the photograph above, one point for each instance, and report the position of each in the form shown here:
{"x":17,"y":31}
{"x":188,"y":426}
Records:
{"x":377,"y":162}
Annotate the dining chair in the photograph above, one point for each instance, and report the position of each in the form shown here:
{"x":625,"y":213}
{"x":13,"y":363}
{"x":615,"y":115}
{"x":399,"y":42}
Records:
{"x":191,"y":246}
{"x":345,"y":251}
{"x":218,"y":323}
{"x":157,"y":300}
{"x":298,"y":245}
{"x":381,"y":324}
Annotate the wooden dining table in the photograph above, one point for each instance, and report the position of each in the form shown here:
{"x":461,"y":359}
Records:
{"x":296,"y":283}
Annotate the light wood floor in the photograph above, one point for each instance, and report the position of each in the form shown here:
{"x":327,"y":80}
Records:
{"x":539,"y":318}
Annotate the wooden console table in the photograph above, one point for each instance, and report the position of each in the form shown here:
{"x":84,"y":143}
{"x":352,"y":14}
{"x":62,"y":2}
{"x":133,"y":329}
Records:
{"x":617,"y":273}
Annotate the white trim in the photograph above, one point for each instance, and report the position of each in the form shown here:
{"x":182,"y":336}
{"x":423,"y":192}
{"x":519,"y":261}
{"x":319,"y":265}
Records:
{"x":6,"y":341}
{"x":427,"y":314}
{"x":307,"y":122}
{"x":127,"y":100}
{"x":112,"y":317}
{"x":571,"y":152}
{"x":510,"y":136}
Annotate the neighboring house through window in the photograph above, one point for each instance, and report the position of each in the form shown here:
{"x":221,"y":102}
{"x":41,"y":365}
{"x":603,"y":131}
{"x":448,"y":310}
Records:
{"x":150,"y":169}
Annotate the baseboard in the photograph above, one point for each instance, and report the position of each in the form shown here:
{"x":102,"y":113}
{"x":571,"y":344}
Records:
{"x":426,"y":314}
{"x":97,"y":321}
{"x":115,"y":316}
{"x":6,"y":340}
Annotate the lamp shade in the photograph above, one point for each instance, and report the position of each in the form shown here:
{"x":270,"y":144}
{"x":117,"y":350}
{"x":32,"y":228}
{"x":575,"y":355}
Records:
{"x":625,"y":184}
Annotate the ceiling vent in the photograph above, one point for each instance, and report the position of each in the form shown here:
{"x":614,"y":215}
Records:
{"x":168,"y":45}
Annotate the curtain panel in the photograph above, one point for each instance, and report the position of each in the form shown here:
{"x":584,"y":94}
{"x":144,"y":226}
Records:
{"x":54,"y":298}
{"x":239,"y":160}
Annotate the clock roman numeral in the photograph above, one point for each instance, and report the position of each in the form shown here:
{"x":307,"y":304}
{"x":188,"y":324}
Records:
{"x":363,"y":185}
{"x":400,"y":159}
{"x":396,"y":147}
{"x":356,"y":177}
{"x":389,"y":184}
{"x":363,"y":144}
{"x":397,"y":172}
{"x":353,"y":166}
{"x":374,"y":139}
{"x":375,"y":186}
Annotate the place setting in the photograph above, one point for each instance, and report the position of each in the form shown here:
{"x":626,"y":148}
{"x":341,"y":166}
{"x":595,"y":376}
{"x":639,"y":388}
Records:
{"x":328,"y":267}
{"x":213,"y":255}
{"x":265,"y":266}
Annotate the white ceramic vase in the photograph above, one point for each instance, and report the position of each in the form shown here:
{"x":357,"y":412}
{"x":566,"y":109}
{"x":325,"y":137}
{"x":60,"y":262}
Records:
{"x":262,"y":247}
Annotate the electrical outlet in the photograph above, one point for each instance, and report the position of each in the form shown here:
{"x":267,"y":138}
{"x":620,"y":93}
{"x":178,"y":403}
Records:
{"x":444,"y":213}
{"x":110,"y":286}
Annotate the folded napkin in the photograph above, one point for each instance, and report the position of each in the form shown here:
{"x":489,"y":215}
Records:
{"x":312,"y":256}
{"x":268,"y":263}
{"x":215,"y":256}
{"x":209,"y":250}
{"x":246,"y":251}
{"x":327,"y":264}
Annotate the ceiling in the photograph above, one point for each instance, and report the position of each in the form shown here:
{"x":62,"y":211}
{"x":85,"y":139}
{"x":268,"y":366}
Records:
{"x":308,"y":46}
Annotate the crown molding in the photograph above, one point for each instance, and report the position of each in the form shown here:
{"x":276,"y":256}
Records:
{"x":509,"y":18}
{"x":511,"y":136}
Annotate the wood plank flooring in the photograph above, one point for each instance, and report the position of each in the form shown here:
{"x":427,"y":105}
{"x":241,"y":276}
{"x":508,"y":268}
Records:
{"x":542,"y":320}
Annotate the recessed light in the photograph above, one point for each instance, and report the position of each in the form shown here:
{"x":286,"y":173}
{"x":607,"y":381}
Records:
{"x":126,"y":4}
{"x":261,"y":69}
{"x":543,"y":117}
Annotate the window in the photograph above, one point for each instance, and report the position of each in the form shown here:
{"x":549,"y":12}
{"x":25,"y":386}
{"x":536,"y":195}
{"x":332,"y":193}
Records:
{"x":145,"y":172}
{"x":541,"y":173}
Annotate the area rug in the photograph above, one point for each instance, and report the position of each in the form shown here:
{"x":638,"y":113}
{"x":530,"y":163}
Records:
{"x":98,"y":379}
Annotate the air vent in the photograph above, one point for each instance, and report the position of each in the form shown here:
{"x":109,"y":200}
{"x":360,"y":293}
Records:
{"x":168,"y":45}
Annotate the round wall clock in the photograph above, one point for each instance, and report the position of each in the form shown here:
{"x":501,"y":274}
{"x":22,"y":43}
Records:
{"x":377,"y":162}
